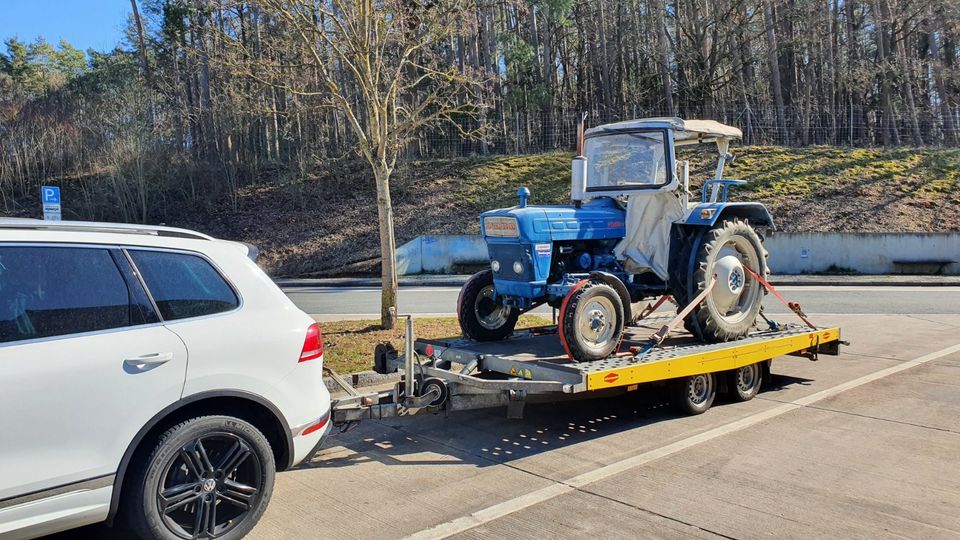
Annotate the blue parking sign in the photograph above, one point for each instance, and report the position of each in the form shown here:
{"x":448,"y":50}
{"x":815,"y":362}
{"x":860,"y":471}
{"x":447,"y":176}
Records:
{"x":50,"y":194}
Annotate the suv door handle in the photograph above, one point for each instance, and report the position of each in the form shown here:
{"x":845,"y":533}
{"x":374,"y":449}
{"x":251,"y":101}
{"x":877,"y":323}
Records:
{"x":147,"y":361}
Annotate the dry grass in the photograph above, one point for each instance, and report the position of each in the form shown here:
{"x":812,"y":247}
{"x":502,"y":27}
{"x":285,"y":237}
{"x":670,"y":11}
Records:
{"x":348,"y":345}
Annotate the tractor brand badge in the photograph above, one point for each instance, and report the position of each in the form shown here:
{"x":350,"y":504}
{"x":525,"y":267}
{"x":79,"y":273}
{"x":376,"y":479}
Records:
{"x":610,"y":378}
{"x":500,"y":226}
{"x":543,"y":250}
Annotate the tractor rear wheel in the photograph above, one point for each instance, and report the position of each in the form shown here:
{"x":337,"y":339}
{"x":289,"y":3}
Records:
{"x":731,"y":308}
{"x":591,"y":321}
{"x":481,"y":316}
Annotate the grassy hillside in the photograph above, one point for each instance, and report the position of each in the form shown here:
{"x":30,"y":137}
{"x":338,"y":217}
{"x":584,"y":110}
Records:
{"x":326,"y":223}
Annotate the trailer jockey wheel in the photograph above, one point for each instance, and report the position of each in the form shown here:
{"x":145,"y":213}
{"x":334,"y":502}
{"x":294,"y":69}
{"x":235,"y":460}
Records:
{"x":745,"y":382}
{"x":731,"y":308}
{"x":694,"y":394}
{"x":591,"y":321}
{"x":481,"y":317}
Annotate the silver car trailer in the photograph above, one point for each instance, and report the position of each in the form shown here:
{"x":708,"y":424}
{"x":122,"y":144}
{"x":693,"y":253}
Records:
{"x":457,"y":374}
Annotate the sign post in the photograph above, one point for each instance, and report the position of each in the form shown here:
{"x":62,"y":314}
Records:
{"x":50,"y":198}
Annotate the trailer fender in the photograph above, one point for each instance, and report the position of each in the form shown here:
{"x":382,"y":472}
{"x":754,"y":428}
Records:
{"x":618,"y":286}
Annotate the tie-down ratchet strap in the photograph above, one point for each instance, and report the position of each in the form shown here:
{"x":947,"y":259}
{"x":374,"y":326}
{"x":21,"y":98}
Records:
{"x":794,"y":307}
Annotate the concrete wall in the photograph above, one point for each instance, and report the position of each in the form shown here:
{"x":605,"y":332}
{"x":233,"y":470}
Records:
{"x":790,"y":253}
{"x":867,"y":253}
{"x":439,"y":254}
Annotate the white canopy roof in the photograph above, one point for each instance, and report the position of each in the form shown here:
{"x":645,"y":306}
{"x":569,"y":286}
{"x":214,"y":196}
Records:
{"x":685,"y":131}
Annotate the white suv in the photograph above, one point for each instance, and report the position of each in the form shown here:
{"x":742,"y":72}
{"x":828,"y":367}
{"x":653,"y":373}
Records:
{"x":148,"y":373}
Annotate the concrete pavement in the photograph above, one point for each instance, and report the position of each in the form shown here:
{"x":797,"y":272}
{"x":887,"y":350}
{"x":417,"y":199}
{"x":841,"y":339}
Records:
{"x":859,"y":445}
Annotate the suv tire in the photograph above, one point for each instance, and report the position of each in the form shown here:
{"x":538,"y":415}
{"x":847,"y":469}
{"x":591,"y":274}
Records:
{"x":217,"y":463}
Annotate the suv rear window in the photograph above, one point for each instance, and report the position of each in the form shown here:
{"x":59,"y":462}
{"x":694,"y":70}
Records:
{"x":184,"y":285}
{"x":54,"y":291}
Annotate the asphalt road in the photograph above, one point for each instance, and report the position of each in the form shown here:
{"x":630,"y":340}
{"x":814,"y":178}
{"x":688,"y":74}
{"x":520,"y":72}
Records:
{"x":339,"y":303}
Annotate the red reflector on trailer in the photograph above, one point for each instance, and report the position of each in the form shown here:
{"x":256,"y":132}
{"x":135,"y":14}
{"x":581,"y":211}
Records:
{"x":428,"y":350}
{"x":312,"y":344}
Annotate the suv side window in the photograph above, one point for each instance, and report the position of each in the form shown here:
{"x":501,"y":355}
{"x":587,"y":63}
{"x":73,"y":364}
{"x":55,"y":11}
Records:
{"x":183,"y":285}
{"x":55,"y":291}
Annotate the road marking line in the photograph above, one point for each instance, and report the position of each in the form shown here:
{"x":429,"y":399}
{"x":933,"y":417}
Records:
{"x":556,"y":489}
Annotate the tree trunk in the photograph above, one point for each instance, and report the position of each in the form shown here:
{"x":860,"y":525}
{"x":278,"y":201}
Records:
{"x":663,"y":44}
{"x":901,"y":58}
{"x":144,"y":64}
{"x":774,"y":63}
{"x":388,"y":249}
{"x":889,"y":127}
{"x":949,"y":127}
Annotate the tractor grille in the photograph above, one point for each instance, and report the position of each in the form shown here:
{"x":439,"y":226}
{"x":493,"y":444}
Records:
{"x":508,"y":254}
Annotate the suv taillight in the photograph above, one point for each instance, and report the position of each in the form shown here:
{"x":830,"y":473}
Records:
{"x":312,"y":344}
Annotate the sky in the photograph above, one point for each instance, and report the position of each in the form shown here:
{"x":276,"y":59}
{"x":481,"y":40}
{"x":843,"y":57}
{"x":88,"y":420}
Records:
{"x":86,"y":24}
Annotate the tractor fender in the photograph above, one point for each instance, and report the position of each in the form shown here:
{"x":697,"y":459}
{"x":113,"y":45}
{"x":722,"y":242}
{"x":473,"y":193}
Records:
{"x":708,"y":214}
{"x":618,"y":286}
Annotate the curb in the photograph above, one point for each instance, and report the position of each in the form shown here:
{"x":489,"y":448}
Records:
{"x":361,"y":379}
{"x":777,"y":281}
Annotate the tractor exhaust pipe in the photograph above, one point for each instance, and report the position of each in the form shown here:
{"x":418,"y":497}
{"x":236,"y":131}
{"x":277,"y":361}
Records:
{"x":578,"y":172}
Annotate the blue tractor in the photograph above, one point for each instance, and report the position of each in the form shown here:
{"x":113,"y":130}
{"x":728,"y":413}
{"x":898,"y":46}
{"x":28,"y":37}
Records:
{"x":632,"y":234}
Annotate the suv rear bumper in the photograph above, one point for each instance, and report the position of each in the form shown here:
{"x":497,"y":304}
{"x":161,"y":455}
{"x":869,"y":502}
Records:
{"x":308,"y":437}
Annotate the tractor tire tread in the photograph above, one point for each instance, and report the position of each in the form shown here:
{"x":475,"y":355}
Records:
{"x":466,"y":315}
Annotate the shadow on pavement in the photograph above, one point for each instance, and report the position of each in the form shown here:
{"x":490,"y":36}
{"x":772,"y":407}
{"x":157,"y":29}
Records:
{"x":485,"y":437}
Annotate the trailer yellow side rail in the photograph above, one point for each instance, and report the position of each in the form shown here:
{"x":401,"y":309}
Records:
{"x":697,"y":359}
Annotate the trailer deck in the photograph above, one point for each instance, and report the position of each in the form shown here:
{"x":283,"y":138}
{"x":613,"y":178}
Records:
{"x":537,"y":355}
{"x":459,"y":374}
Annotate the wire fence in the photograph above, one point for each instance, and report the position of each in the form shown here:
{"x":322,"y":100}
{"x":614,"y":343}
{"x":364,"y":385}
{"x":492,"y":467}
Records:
{"x":546,"y":131}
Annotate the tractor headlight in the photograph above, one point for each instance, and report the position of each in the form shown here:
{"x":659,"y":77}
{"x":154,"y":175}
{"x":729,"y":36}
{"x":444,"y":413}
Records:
{"x":495,"y":266}
{"x":517,"y":267}
{"x":502,"y":226}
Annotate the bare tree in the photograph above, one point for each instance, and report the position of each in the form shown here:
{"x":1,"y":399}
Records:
{"x":392,"y":82}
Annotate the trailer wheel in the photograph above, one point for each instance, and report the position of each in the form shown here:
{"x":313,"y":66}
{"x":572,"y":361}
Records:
{"x":591,"y":321}
{"x":695,"y":394}
{"x":745,"y":382}
{"x":481,"y":317}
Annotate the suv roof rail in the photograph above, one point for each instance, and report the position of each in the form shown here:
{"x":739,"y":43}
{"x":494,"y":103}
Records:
{"x":93,"y":226}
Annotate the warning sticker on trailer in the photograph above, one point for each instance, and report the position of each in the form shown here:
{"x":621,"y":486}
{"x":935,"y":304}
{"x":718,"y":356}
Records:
{"x":543,"y":250}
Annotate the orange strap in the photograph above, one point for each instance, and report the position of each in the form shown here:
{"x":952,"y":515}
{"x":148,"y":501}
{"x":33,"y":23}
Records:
{"x":794,"y":307}
{"x":563,"y":310}
{"x":650,"y":309}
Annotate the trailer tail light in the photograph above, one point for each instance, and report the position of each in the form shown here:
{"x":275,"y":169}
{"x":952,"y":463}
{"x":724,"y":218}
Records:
{"x":312,"y":344}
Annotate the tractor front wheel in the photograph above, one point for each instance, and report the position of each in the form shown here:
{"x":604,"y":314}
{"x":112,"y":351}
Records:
{"x":481,"y":316}
{"x":591,"y":321}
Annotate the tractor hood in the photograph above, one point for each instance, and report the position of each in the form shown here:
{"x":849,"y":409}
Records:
{"x":597,"y":219}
